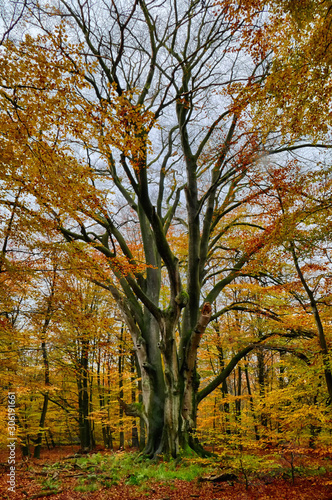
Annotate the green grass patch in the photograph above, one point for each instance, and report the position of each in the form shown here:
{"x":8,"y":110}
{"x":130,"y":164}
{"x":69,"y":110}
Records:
{"x":104,"y":471}
{"x":132,"y":469}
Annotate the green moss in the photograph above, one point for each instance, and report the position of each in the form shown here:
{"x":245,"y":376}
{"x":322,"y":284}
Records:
{"x":182,"y":298}
{"x":134,"y":469}
{"x":104,"y":471}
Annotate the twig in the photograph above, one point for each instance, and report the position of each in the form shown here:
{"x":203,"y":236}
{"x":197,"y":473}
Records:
{"x":46,"y":493}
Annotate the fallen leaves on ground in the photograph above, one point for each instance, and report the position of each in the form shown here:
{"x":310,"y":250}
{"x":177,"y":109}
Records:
{"x":30,"y":473}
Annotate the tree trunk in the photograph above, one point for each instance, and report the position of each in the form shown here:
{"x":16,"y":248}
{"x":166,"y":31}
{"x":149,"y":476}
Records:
{"x":92,"y":423}
{"x":224,"y":387}
{"x":315,"y":429}
{"x":83,"y":397}
{"x":105,"y":427}
{"x":134,"y":430}
{"x":168,"y":394}
{"x":239,"y":393}
{"x":262,"y":384}
{"x":37,"y":449}
{"x":120,"y":373}
{"x":51,"y":437}
{"x":25,"y":439}
{"x":153,"y":386}
{"x":251,"y":402}
{"x":142,"y":426}
{"x":319,"y":324}
{"x":47,"y":320}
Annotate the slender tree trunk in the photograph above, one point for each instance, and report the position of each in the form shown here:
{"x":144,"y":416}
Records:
{"x":214,"y":423}
{"x":315,"y":430}
{"x":37,"y":449}
{"x":239,"y":393}
{"x":92,"y":423}
{"x":252,"y":407}
{"x":319,"y":324}
{"x":262,"y":384}
{"x":281,"y":383}
{"x":134,"y":430}
{"x":83,"y":397}
{"x":224,"y":389}
{"x":46,"y":368}
{"x":226,"y":408}
{"x":107,"y":402}
{"x":101,"y":397}
{"x":71,"y":441}
{"x":25,"y":440}
{"x":51,"y":438}
{"x":105,"y":427}
{"x":120,"y":373}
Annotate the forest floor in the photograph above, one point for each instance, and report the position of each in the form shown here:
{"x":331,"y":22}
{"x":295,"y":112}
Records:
{"x":60,"y":475}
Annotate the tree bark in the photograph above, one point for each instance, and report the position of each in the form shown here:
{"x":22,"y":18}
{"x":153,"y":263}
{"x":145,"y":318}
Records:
{"x":319,"y":325}
{"x":120,"y":373}
{"x":47,"y":320}
{"x":252,"y":407}
{"x":134,"y":430}
{"x":83,"y":396}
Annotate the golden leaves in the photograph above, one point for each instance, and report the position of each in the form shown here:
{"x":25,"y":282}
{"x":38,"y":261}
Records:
{"x":296,"y":94}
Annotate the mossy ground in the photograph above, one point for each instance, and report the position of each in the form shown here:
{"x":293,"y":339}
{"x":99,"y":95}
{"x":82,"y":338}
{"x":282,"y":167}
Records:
{"x":128,"y":476}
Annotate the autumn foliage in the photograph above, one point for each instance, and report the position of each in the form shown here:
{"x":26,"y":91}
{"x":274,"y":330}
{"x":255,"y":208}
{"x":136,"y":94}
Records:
{"x":165,"y":228}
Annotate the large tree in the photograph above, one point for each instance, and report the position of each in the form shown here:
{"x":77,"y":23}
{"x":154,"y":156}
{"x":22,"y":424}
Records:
{"x":132,"y":122}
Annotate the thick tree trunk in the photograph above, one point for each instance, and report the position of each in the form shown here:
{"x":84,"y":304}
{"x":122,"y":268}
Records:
{"x":169,"y":391}
{"x":191,"y":383}
{"x":142,"y":426}
{"x":168,"y":394}
{"x":170,"y":443}
{"x":153,"y":386}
